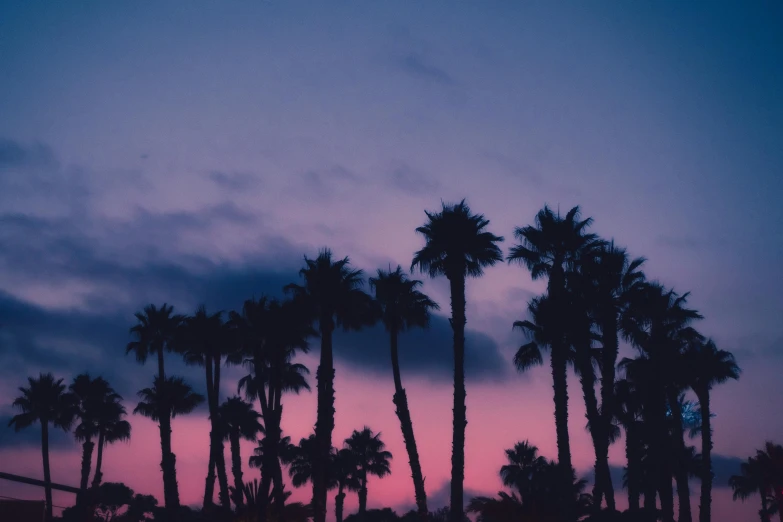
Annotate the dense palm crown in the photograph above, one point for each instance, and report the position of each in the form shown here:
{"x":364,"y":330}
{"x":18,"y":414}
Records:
{"x":155,"y":332}
{"x":174,"y":392}
{"x":371,"y":458}
{"x":404,"y":306}
{"x":457,"y":243}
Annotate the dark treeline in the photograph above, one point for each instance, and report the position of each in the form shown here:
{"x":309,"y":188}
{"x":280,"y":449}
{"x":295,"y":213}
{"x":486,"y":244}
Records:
{"x":596,"y":296}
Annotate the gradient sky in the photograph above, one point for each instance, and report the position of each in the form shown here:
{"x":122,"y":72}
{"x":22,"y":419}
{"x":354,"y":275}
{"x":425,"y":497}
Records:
{"x":193,"y":152}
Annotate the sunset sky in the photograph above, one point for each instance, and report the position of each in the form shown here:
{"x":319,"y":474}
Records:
{"x":193,"y":152}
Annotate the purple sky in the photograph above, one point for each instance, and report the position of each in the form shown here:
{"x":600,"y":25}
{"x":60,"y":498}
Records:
{"x":189,"y":153}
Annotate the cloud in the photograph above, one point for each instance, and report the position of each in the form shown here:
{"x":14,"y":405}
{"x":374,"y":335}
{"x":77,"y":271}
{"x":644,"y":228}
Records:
{"x":679,"y":242}
{"x":403,"y":177}
{"x":417,"y":66}
{"x":14,"y":154}
{"x":233,"y":181}
{"x":723,"y":467}
{"x":31,"y":436}
{"x":441,"y":497}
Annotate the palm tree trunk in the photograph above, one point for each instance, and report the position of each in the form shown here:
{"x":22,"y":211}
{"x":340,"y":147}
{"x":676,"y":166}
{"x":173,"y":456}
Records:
{"x":236,"y":469}
{"x":338,"y":504}
{"x":681,"y":473}
{"x":587,"y":380}
{"x":47,"y":474}
{"x":560,"y":380}
{"x":632,"y":456}
{"x":209,"y":485}
{"x":220,"y":458}
{"x":262,"y":498}
{"x":458,"y":321}
{"x":96,"y":480}
{"x":168,"y":460}
{"x":705,"y":504}
{"x":324,"y":425}
{"x":610,"y":345}
{"x":363,"y":497}
{"x":87,"y":448}
{"x":406,"y":424}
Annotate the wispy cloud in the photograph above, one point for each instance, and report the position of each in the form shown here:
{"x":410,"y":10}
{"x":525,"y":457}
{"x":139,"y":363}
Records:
{"x":418,"y":66}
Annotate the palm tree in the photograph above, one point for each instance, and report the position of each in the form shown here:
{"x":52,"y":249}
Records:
{"x":708,"y":366}
{"x":89,"y":393}
{"x":153,"y":334}
{"x":404,"y":307}
{"x":345,"y":472}
{"x":457,"y":245}
{"x":551,"y":248}
{"x":771,"y":461}
{"x":332,"y":295}
{"x":524,"y":463}
{"x":202,"y":338}
{"x":753,"y":479}
{"x":112,"y":427}
{"x":44,"y":401}
{"x":166,"y":399}
{"x":275,"y":331}
{"x":371,"y":459}
{"x":657,"y":323}
{"x":240,"y":421}
{"x":614,"y":277}
{"x":628,"y":412}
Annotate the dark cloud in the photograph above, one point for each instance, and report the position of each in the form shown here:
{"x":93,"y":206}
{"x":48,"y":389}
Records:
{"x":441,"y":497}
{"x":58,"y":439}
{"x":235,"y":181}
{"x":14,"y":154}
{"x":411,"y":181}
{"x":417,"y":65}
{"x":723,"y":467}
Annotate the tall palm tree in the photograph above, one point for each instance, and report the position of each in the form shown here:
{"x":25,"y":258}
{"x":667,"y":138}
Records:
{"x":658,"y":324}
{"x":202,"y":338}
{"x":457,"y":245}
{"x":240,"y":421}
{"x":551,"y":247}
{"x":708,"y":366}
{"x":371,"y":458}
{"x":153,"y":334}
{"x":404,"y":307}
{"x":771,"y":460}
{"x":345,"y":472}
{"x":331,"y":294}
{"x":614,"y":277}
{"x":751,"y":480}
{"x":112,"y":427}
{"x":45,"y":401}
{"x":166,"y":399}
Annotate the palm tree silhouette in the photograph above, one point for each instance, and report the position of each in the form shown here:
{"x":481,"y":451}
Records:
{"x":280,"y":330}
{"x":345,"y":471}
{"x":166,"y":399}
{"x":89,"y":394}
{"x":240,"y":421}
{"x":202,"y":339}
{"x":628,"y":412}
{"x":153,"y":334}
{"x":372,"y":459}
{"x":44,"y":401}
{"x":332,"y":295}
{"x":404,"y":307}
{"x":753,"y":478}
{"x":551,"y":248}
{"x":657,"y":323}
{"x":707,"y":366}
{"x":524,"y":463}
{"x":614,"y":277}
{"x":457,"y":245}
{"x":112,"y":427}
{"x":771,"y":460}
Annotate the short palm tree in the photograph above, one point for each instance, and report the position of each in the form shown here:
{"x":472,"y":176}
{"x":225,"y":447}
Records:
{"x":371,"y":459}
{"x":345,"y":472}
{"x":45,"y":401}
{"x":89,"y":394}
{"x":524,"y":464}
{"x":457,"y":245}
{"x":240,"y":421}
{"x":154,"y":333}
{"x":751,"y":480}
{"x":166,"y":399}
{"x":331,"y":294}
{"x":771,"y":460}
{"x":202,"y":338}
{"x":404,"y":307}
{"x":708,"y":366}
{"x":551,"y":248}
{"x":112,"y":427}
